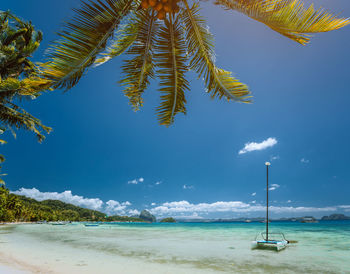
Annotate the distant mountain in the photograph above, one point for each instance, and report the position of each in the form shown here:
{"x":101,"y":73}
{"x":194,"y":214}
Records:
{"x":335,"y":217}
{"x":148,"y":217}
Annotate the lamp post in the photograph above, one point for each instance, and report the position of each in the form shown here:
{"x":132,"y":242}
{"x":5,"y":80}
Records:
{"x":267,"y":200}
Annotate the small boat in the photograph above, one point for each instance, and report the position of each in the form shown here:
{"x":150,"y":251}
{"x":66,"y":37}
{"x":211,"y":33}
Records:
{"x":266,"y":240}
{"x":277,"y":243}
{"x":308,"y":219}
{"x":90,"y":225}
{"x":59,"y":223}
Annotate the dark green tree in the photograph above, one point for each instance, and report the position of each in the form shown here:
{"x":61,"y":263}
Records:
{"x":19,"y":76}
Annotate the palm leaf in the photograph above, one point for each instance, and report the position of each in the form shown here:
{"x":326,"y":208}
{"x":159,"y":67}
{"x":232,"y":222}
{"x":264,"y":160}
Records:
{"x":15,"y":116}
{"x":200,"y":47}
{"x":288,"y":17}
{"x":83,"y":39}
{"x":125,"y":36}
{"x":138,"y":70}
{"x":171,"y":60}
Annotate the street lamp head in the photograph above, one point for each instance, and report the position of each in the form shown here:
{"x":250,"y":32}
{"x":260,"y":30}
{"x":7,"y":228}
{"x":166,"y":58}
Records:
{"x":267,"y":163}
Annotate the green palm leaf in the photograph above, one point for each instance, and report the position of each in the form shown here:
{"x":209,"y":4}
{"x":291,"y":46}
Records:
{"x":125,"y":37}
{"x":171,"y":60}
{"x":83,"y":39}
{"x":138,"y":70}
{"x":15,"y":116}
{"x":200,"y":47}
{"x":288,"y":17}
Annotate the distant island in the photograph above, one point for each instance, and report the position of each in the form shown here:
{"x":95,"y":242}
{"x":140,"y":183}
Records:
{"x":335,"y":217}
{"x":305,"y":219}
{"x":168,"y":220}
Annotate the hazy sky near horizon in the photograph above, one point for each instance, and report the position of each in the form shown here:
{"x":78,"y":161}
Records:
{"x":210,"y":163}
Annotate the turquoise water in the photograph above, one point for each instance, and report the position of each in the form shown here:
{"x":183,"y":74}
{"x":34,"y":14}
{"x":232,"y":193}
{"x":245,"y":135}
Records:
{"x":178,"y":248}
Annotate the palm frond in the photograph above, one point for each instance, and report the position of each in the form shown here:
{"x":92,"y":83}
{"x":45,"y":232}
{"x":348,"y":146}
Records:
{"x":28,"y":87}
{"x":171,"y":60}
{"x":138,"y":70}
{"x":288,"y":17}
{"x":125,"y":36}
{"x":15,"y":116}
{"x":83,"y":39}
{"x":199,"y":41}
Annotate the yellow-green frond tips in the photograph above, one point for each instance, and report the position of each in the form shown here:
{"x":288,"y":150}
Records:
{"x":83,"y":39}
{"x":199,"y":41}
{"x":288,"y":17}
{"x":138,"y":70}
{"x":125,"y":37}
{"x":171,"y":61}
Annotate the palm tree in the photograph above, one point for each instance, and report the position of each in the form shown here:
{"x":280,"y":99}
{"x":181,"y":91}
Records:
{"x":19,"y":77}
{"x":165,"y":39}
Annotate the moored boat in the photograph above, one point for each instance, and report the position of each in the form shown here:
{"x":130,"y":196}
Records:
{"x":266,"y":240}
{"x":277,"y":242}
{"x":90,"y":225}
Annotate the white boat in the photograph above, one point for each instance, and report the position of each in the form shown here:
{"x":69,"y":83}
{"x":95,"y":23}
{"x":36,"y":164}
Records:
{"x":266,"y":240}
{"x":277,"y":242}
{"x":91,"y":225}
{"x":59,"y":223}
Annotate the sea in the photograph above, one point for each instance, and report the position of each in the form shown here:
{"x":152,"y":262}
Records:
{"x":174,"y":248}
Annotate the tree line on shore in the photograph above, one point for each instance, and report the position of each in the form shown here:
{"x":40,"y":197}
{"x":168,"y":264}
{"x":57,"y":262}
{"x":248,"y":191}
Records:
{"x":16,"y":208}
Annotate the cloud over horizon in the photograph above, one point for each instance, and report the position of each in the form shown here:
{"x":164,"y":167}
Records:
{"x":111,"y":207}
{"x":253,"y":146}
{"x":178,"y":209}
{"x":185,"y":208}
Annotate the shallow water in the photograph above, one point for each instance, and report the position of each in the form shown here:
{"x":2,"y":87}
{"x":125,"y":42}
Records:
{"x":178,"y":248}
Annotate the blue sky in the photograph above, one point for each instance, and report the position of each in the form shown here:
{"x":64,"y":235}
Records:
{"x":99,"y":144}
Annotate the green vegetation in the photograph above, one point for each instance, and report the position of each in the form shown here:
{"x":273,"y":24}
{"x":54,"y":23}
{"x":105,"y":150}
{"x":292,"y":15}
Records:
{"x":20,"y":79}
{"x":123,"y":219}
{"x":168,"y":220}
{"x":168,"y":48}
{"x":15,"y":208}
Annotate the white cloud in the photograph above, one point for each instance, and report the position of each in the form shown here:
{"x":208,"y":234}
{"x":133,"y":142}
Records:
{"x":304,"y":161}
{"x":136,"y":181}
{"x":116,"y":208}
{"x":65,"y":196}
{"x":158,"y":183}
{"x":153,"y":204}
{"x":289,"y":201}
{"x":111,"y":207}
{"x":254,"y":193}
{"x":187,"y":187}
{"x":274,"y":186}
{"x":270,"y":142}
{"x":273,"y":158}
{"x":184,"y":207}
{"x":133,"y":212}
{"x":344,"y":206}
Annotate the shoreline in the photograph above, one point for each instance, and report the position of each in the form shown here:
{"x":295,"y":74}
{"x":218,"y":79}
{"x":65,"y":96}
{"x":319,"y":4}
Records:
{"x":11,"y":265}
